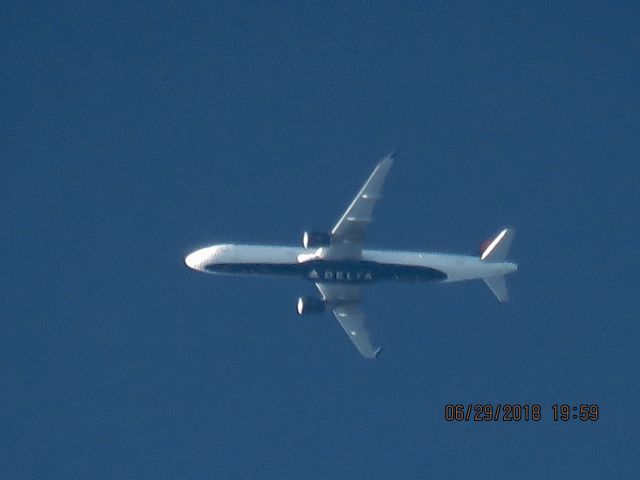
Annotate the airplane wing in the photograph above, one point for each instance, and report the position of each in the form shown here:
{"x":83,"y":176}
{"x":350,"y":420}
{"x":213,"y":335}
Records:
{"x":350,"y":229}
{"x":344,"y":302}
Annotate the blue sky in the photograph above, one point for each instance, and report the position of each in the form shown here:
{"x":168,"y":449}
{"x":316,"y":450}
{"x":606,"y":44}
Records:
{"x":135,"y":134}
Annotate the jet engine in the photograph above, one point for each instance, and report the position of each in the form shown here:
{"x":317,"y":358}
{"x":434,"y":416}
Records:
{"x":308,"y":305}
{"x":316,"y":239}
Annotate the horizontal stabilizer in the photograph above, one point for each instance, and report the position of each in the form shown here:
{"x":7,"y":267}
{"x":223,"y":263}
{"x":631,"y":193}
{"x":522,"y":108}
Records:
{"x":498,"y":286}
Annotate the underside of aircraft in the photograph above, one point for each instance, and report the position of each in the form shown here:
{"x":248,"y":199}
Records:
{"x":339,"y":265}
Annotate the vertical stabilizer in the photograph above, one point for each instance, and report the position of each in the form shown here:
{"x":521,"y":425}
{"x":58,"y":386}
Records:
{"x":497,"y":249}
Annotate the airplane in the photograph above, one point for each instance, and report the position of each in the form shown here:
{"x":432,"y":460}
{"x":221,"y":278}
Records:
{"x":339,"y":265}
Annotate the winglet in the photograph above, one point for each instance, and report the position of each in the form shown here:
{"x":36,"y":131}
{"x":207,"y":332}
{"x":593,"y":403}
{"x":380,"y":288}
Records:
{"x":395,"y":152}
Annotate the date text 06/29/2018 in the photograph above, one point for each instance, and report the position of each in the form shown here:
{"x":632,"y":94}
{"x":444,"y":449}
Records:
{"x":520,"y":412}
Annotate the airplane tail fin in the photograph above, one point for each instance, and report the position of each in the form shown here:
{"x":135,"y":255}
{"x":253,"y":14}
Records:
{"x":496,"y":250}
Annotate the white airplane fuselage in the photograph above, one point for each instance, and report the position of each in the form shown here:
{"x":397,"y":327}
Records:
{"x":374,"y":265}
{"x":338,"y":264}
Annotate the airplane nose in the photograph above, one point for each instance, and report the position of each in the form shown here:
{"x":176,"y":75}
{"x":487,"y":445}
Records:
{"x":195,"y":260}
{"x":200,"y":259}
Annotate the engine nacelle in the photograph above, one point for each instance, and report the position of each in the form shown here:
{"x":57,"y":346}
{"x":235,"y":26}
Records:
{"x":309,"y":305}
{"x":316,"y":239}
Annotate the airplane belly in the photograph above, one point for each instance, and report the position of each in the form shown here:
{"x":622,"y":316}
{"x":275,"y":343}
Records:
{"x":337,"y":272}
{"x":362,"y":272}
{"x":283,"y":261}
